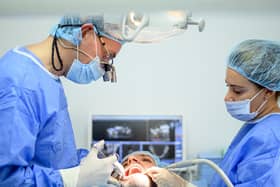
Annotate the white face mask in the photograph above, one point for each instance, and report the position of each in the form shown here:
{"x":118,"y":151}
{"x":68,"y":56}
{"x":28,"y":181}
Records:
{"x":241,"y":109}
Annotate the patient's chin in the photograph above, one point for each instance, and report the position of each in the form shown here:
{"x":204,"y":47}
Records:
{"x":136,"y":180}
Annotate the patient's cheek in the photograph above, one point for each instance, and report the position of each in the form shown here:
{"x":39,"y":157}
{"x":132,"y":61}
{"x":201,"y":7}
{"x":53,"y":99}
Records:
{"x":137,"y":180}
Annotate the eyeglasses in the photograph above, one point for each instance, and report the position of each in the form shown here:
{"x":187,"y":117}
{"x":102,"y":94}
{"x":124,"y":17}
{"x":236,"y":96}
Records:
{"x":109,"y":55}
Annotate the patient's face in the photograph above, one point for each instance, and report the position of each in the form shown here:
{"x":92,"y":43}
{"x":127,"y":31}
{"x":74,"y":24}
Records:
{"x":137,"y":164}
{"x":134,"y":167}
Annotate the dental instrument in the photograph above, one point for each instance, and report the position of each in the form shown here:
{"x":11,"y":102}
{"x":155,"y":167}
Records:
{"x":187,"y":163}
{"x":118,"y":170}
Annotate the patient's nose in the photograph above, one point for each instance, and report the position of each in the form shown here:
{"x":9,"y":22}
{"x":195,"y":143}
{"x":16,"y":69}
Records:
{"x":132,"y":159}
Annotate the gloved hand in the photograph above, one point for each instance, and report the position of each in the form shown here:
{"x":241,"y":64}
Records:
{"x":92,"y":171}
{"x":164,"y":178}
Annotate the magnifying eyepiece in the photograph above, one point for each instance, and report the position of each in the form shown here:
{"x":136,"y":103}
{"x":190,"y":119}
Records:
{"x":110,"y":73}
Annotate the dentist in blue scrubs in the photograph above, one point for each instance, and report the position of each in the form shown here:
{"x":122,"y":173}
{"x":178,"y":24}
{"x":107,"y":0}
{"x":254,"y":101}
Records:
{"x":253,"y":81}
{"x":37,"y":145}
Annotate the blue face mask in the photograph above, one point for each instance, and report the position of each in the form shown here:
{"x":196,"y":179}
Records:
{"x":241,"y":109}
{"x":85,"y":73}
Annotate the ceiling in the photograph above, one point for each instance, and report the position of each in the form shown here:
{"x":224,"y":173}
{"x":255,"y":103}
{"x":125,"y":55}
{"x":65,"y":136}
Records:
{"x":58,"y":7}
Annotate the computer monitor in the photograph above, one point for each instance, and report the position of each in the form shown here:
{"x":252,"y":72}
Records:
{"x":161,"y":135}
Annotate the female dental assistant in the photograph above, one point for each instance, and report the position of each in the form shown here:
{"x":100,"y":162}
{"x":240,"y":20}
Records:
{"x":253,"y":80}
{"x":37,"y":145}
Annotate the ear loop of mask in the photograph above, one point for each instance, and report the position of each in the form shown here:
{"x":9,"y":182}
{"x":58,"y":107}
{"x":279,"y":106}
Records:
{"x":77,"y":53}
{"x":260,"y":107}
{"x":76,"y":49}
{"x":95,"y":42}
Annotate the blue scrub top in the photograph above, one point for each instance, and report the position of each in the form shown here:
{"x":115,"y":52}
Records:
{"x":35,"y":129}
{"x":253,"y":158}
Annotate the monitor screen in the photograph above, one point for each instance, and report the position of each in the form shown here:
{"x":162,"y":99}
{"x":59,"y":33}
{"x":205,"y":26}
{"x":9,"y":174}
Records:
{"x":160,"y":135}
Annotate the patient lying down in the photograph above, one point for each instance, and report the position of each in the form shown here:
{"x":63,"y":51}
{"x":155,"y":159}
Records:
{"x":142,"y":169}
{"x":135,"y":166}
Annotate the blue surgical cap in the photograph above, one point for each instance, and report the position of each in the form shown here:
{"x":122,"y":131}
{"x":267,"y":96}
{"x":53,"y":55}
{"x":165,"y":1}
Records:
{"x":258,"y":61}
{"x":154,"y":157}
{"x":69,"y":28}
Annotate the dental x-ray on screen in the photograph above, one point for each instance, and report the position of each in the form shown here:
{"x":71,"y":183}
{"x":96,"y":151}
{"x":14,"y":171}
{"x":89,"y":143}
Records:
{"x":161,"y":135}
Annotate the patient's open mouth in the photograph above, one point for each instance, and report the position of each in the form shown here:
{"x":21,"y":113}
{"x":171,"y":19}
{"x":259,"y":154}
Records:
{"x":136,"y":180}
{"x":133,"y":169}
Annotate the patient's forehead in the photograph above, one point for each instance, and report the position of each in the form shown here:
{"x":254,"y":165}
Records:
{"x":140,"y":156}
{"x":143,"y":157}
